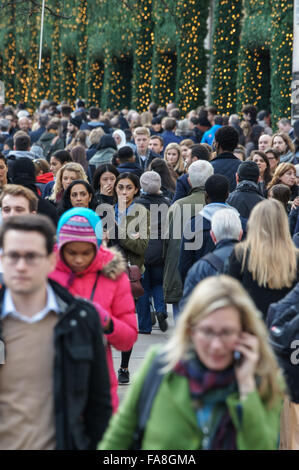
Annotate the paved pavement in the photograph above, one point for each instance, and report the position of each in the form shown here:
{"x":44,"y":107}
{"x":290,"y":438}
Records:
{"x":144,"y":342}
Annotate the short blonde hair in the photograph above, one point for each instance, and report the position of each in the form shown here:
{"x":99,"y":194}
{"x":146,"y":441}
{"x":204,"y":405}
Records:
{"x":208,"y":296}
{"x":141,"y":131}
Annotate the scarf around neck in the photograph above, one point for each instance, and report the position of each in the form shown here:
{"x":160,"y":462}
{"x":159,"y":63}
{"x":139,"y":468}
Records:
{"x":209,"y":390}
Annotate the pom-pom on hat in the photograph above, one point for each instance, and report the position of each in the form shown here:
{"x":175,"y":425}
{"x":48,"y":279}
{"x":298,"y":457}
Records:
{"x":150,"y":182}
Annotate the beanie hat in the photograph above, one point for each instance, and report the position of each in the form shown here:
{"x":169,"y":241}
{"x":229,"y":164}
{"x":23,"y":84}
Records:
{"x":79,"y":225}
{"x":157,"y":120}
{"x":22,"y":171}
{"x":248,"y":171}
{"x":76,"y":121}
{"x":150,"y":182}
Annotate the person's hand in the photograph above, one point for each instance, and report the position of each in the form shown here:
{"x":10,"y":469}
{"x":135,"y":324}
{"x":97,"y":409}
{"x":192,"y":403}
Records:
{"x":248,"y":346}
{"x":295,"y":203}
{"x":107,"y":190}
{"x":135,"y":235}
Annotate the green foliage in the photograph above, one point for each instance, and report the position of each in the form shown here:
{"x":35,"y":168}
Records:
{"x":224,"y":59}
{"x":254,"y":72}
{"x":118,"y":53}
{"x":281,"y":58}
{"x":143,"y":51}
{"x":192,"y":18}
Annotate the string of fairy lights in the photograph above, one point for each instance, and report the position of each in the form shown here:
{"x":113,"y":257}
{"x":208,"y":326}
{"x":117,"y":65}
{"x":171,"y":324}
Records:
{"x":252,"y":48}
{"x":192,"y":58}
{"x":56,"y":69}
{"x":142,"y":68}
{"x":224,"y":59}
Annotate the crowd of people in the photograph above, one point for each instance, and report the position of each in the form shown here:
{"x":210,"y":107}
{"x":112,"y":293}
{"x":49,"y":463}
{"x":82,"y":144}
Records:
{"x":113,"y":221}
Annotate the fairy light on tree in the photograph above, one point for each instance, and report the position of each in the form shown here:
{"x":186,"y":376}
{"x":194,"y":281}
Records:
{"x":224,"y":62}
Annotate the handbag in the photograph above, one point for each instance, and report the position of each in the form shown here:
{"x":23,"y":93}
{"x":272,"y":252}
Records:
{"x":134,"y":275}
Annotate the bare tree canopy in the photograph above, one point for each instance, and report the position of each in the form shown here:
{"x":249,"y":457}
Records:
{"x":31,"y":7}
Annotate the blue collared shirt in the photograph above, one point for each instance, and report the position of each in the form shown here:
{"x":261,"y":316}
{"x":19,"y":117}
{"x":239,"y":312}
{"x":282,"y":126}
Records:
{"x":9,"y":308}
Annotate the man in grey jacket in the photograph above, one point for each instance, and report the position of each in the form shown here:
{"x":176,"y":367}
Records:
{"x":226,"y":231}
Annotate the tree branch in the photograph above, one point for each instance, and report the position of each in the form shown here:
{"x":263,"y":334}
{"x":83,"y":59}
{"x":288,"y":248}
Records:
{"x":36,"y":4}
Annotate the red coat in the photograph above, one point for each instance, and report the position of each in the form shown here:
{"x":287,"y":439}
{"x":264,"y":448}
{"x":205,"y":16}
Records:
{"x":113,"y":294}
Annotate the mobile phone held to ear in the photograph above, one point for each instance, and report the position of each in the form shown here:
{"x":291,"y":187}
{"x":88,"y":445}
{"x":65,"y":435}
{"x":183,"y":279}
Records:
{"x":238,"y":358}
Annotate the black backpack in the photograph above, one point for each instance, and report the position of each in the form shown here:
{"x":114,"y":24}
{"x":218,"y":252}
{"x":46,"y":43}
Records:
{"x":284,"y":339}
{"x":146,"y":398}
{"x":214,"y":261}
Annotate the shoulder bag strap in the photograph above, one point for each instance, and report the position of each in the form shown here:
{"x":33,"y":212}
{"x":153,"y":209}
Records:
{"x":95,"y":286}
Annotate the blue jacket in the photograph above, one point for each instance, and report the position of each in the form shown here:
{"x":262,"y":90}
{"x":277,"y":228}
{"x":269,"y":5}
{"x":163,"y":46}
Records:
{"x":130,"y":167}
{"x":169,"y":137}
{"x":182,"y":188}
{"x":294,"y":221}
{"x":209,"y":135}
{"x":227,"y":164}
{"x":47,"y":191}
{"x":201,"y":225}
{"x":202,"y":268}
{"x":35,"y":135}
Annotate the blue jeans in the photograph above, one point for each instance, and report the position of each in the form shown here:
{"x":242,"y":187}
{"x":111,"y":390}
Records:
{"x":153,"y":286}
{"x":176,"y":311}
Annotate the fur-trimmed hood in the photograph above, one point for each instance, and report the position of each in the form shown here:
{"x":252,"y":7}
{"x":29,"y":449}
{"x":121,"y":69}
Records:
{"x":116,"y":265}
{"x":110,"y":262}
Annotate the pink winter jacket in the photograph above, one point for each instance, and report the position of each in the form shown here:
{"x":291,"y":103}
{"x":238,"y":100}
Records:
{"x":113,"y":293}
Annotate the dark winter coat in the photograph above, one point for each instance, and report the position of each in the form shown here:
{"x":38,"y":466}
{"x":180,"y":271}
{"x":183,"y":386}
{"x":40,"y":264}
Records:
{"x":202,"y":268}
{"x":36,"y":135}
{"x":81,"y":381}
{"x":201,"y":226}
{"x":245,"y":197}
{"x":262,"y":296}
{"x":154,"y":252}
{"x":50,"y":143}
{"x":144,"y":164}
{"x":170,"y":137}
{"x":281,"y":313}
{"x":183,"y":188}
{"x":130,"y":167}
{"x":91,"y":151}
{"x":226,"y":164}
{"x":177,"y":215}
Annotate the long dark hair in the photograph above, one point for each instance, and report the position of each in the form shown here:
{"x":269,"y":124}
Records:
{"x":133,"y":178}
{"x":103,"y":168}
{"x":79,"y":156}
{"x":267,"y":172}
{"x":66,"y":204}
{"x":160,"y":166}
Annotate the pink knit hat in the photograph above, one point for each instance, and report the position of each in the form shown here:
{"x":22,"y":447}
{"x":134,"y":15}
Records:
{"x":77,"y":229}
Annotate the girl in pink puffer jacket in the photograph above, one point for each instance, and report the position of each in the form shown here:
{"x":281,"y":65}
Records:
{"x":98,"y":274}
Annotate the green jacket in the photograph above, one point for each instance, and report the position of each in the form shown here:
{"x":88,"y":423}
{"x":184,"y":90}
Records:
{"x":46,"y":142}
{"x":172,"y":423}
{"x":135,"y":248}
{"x":179,"y":214}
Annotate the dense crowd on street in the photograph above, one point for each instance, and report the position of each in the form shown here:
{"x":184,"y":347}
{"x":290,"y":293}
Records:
{"x":110,"y":223}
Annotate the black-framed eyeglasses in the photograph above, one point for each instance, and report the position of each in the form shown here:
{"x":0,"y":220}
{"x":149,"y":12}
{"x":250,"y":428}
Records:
{"x":31,"y":258}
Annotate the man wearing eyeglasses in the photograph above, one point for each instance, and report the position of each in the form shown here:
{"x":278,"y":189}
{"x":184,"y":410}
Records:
{"x":54,"y":385}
